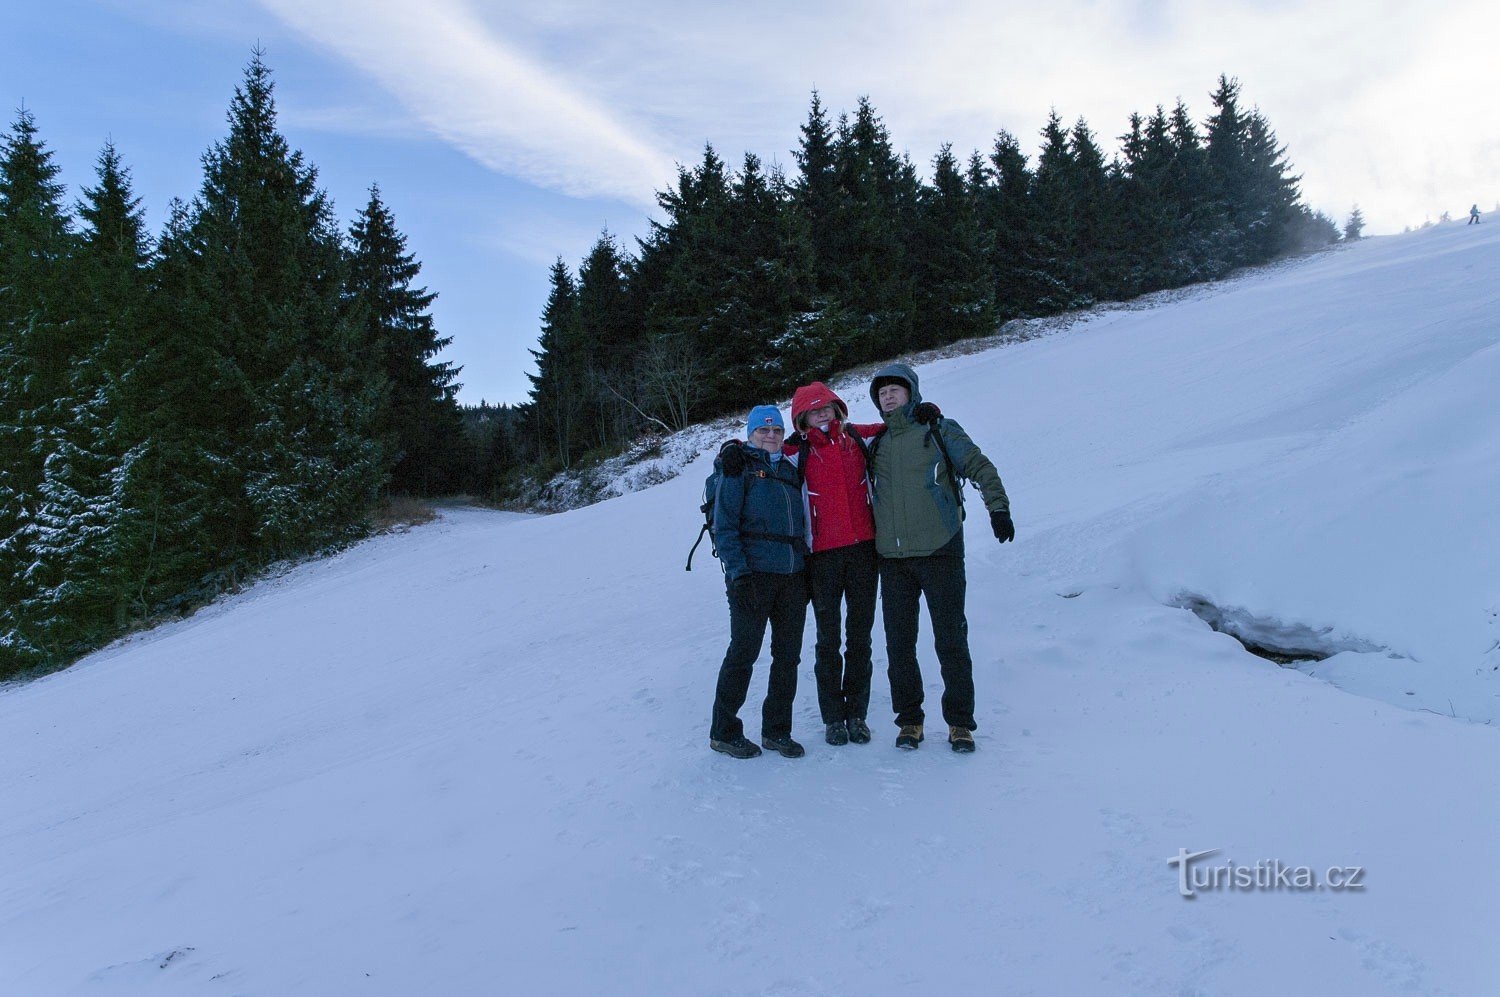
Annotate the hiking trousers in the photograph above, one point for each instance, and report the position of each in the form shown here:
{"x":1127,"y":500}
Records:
{"x":844,"y":575}
{"x":939,"y":578}
{"x":781,"y":601}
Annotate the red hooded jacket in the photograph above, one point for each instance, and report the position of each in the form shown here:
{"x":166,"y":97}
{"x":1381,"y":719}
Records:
{"x":833,"y":467}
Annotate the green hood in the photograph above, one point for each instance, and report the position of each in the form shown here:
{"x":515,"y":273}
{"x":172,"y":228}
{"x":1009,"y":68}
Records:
{"x":905,"y":373}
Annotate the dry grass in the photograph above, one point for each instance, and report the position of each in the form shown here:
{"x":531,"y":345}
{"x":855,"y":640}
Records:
{"x":400,"y":512}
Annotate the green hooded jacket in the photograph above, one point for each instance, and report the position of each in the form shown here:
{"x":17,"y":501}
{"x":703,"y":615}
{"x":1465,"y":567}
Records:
{"x":916,"y":513}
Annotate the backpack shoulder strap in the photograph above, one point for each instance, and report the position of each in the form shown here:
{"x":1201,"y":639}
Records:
{"x":868,"y":449}
{"x":799,"y":450}
{"x":958,"y":492}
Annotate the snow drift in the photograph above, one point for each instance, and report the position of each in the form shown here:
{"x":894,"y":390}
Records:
{"x":472,"y":759}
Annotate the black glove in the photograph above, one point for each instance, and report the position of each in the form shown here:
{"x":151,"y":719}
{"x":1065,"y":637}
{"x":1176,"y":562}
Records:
{"x":795,"y":441}
{"x":732,"y":458}
{"x":740,"y":591}
{"x":1004,"y":529}
{"x":926,"y":413}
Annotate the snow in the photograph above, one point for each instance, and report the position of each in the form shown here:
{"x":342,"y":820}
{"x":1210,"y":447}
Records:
{"x":471,"y":758}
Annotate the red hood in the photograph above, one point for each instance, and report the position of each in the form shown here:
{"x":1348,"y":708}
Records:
{"x":815,"y":395}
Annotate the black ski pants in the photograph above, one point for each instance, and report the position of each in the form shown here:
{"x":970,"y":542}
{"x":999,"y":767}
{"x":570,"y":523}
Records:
{"x":845,"y":574}
{"x":904,"y":582}
{"x":781,"y":601}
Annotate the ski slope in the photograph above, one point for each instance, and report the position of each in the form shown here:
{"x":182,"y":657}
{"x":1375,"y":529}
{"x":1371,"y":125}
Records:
{"x":472,"y":759}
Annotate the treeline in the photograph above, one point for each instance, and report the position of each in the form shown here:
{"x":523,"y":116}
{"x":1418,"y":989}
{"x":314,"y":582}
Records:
{"x":176,"y":413}
{"x":756,"y":280}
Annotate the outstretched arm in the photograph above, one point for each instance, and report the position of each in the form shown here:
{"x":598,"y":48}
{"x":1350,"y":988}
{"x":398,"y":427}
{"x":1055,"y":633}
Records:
{"x":974,"y":465}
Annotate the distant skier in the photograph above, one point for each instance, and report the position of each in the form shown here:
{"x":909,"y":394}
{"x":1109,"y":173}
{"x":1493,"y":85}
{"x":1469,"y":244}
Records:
{"x":919,"y":466}
{"x":1474,"y":215}
{"x":760,"y":535}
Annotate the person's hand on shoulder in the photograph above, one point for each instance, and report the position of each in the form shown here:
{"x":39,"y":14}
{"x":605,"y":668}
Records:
{"x":732,"y":458}
{"x":926,"y":413}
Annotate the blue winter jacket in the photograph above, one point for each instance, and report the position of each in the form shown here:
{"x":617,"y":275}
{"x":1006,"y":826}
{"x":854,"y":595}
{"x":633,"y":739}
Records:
{"x":754,"y":512}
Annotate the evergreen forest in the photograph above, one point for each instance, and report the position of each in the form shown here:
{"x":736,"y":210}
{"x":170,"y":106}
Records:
{"x":179,"y":411}
{"x":754,"y":280}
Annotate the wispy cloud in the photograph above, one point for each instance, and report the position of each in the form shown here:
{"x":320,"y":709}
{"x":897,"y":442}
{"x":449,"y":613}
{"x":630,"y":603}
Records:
{"x":353,"y":119}
{"x":1378,"y":100}
{"x":475,"y":90}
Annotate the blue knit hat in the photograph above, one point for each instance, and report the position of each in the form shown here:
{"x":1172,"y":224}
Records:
{"x":762,"y":416}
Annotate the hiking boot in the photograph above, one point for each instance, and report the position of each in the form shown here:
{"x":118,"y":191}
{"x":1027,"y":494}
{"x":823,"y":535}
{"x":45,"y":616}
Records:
{"x":910,"y":737}
{"x":859,"y":732}
{"x":961,"y":739}
{"x":836,"y":733}
{"x":738,"y":746}
{"x":783,"y":746}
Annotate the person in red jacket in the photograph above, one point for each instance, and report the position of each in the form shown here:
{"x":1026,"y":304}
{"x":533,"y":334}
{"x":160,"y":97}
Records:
{"x":843,"y":569}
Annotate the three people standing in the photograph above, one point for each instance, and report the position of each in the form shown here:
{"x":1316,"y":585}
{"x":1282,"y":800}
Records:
{"x":881,"y":501}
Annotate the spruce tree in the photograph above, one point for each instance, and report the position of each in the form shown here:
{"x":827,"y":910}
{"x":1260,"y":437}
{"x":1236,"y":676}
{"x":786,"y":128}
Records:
{"x":1274,"y":226}
{"x":558,"y":389}
{"x":91,"y":535}
{"x":952,"y":253}
{"x":1023,"y":285}
{"x":611,"y":339}
{"x":1059,"y":220}
{"x":297,"y":399}
{"x":171,"y":399}
{"x":819,"y":199}
{"x":35,"y":350}
{"x":1095,"y":213}
{"x":1229,"y":170}
{"x":1354,"y":228}
{"x":875,"y":229}
{"x":1208,"y":240}
{"x":685,"y":265}
{"x":770,"y":292}
{"x":419,"y":420}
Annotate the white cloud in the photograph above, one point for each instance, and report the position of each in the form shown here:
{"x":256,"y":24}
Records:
{"x":351,"y":119}
{"x":1380,"y":102}
{"x":478,"y":92}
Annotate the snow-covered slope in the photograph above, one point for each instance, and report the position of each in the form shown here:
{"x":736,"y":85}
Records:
{"x":472,"y":759}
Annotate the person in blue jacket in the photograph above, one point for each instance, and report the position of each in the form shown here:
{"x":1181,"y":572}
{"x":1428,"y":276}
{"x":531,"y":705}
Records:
{"x":760,"y":534}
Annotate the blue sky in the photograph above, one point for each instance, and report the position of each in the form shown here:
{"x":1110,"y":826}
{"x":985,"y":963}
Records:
{"x":504,"y":135}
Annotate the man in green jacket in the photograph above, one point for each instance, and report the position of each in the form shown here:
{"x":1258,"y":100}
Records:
{"x":919,"y":464}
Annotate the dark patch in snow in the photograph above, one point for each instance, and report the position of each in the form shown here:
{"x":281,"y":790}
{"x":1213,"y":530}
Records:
{"x":1274,"y":640}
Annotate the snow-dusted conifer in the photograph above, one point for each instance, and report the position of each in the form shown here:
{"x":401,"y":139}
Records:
{"x":296,"y":398}
{"x":35,"y":244}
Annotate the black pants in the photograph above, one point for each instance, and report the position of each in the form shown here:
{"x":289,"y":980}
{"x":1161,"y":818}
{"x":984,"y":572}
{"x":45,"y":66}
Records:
{"x":843,"y":574}
{"x":780,"y":600}
{"x":903,"y":583}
